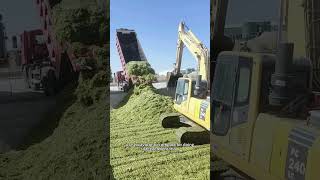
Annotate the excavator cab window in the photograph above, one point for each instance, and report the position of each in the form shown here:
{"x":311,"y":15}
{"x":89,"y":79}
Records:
{"x":231,"y":92}
{"x":240,"y":108}
{"x":182,"y":90}
{"x":222,"y":93}
{"x":243,"y":83}
{"x":202,"y":91}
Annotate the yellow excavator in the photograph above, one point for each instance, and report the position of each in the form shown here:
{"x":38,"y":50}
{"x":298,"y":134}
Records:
{"x":265,"y":117}
{"x":192,"y":101}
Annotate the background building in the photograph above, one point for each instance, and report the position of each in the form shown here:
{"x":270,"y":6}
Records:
{"x":2,"y":39}
{"x":250,"y":29}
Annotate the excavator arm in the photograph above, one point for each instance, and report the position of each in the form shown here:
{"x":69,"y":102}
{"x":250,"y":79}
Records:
{"x":187,"y":39}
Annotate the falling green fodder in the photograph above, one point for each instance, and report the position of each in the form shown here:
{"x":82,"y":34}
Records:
{"x":90,"y":91}
{"x":141,"y":72}
{"x":137,"y":122}
{"x":81,"y":21}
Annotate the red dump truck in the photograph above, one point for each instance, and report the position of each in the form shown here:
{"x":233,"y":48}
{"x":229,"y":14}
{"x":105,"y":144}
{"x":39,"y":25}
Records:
{"x":47,"y":64}
{"x":129,"y":49}
{"x":120,"y":78}
{"x":37,"y":66}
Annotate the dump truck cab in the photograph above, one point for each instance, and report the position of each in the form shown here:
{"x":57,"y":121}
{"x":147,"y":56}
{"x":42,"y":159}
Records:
{"x":36,"y":63}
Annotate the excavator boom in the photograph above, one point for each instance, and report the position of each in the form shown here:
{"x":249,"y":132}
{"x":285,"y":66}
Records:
{"x":186,"y":38}
{"x":196,"y":47}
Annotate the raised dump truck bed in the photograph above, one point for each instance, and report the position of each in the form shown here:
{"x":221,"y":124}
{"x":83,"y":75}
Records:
{"x":129,"y":49}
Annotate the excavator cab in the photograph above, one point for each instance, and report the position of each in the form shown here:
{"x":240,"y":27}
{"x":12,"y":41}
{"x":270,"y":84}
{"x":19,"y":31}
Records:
{"x":182,"y":90}
{"x":261,"y":99}
{"x":188,"y":87}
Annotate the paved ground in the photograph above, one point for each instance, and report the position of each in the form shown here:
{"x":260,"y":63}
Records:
{"x":20,"y":108}
{"x":116,"y":96}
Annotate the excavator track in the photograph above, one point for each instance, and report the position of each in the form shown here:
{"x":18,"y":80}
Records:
{"x":172,"y":120}
{"x":193,"y":135}
{"x":187,"y":132}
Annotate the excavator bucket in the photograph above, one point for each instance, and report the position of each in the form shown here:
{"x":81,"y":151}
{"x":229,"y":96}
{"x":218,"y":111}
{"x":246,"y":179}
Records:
{"x":172,"y":80}
{"x":172,"y":83}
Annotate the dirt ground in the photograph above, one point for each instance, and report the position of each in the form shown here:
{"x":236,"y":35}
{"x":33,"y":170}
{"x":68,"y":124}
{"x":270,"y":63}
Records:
{"x":21,"y":109}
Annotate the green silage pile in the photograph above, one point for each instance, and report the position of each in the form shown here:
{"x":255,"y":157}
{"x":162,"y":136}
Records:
{"x":77,"y":149}
{"x":137,"y":122}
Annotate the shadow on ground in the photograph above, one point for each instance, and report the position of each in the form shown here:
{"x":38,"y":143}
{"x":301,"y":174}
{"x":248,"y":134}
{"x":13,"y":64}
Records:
{"x":13,"y":97}
{"x":20,"y":112}
{"x":51,"y":120}
{"x":124,"y":100}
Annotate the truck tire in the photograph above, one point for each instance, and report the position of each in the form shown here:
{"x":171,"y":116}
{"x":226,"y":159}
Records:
{"x":125,"y":88}
{"x":36,"y":87}
{"x":50,"y":84}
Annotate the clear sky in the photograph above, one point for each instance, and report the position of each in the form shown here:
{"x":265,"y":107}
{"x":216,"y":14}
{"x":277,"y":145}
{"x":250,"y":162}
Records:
{"x":19,"y":15}
{"x":156,"y":23}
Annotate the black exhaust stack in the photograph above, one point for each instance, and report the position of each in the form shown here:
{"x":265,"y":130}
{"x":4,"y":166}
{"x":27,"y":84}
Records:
{"x":282,"y":79}
{"x":197,"y":86}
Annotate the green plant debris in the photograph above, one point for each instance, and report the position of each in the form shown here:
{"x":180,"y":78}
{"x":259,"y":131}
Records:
{"x":139,"y":68}
{"x":79,"y":49}
{"x":81,"y":21}
{"x":137,"y":122}
{"x":141,"y":72}
{"x":77,"y":149}
{"x":89,"y":91}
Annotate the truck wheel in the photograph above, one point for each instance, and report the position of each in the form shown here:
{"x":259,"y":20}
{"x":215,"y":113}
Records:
{"x":49,"y":84}
{"x":126,"y":88}
{"x":34,"y":87}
